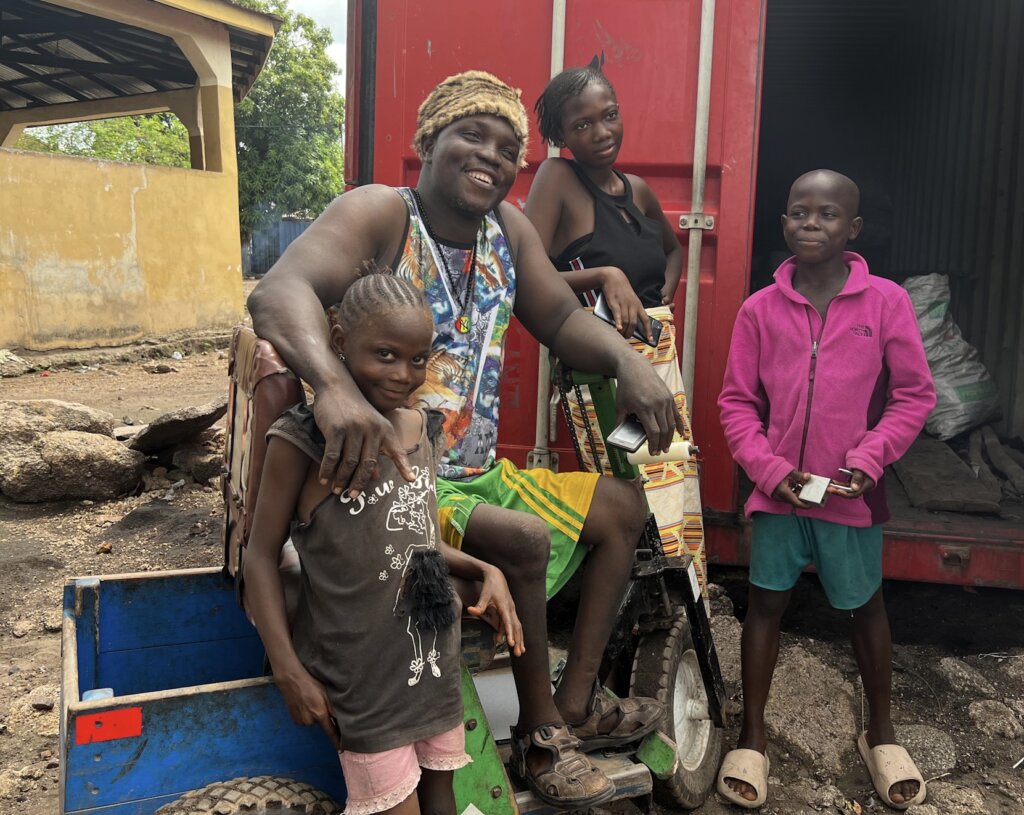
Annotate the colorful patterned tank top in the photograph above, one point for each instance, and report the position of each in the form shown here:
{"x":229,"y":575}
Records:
{"x":464,"y":371}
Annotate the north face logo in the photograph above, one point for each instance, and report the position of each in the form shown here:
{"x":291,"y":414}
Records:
{"x":861,"y":330}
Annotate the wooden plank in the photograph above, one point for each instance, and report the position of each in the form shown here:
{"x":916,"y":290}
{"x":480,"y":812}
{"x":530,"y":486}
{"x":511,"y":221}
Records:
{"x":1001,"y":461}
{"x":935,"y":478}
{"x":976,"y":456}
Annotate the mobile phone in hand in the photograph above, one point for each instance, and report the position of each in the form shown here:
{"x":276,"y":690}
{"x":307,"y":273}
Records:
{"x":602,"y":310}
{"x":629,"y":435}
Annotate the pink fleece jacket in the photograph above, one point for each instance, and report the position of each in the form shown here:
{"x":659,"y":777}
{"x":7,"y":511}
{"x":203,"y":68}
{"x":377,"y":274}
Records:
{"x":797,"y":387}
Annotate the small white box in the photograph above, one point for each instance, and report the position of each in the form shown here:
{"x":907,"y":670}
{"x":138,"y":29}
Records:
{"x":814,"y":492}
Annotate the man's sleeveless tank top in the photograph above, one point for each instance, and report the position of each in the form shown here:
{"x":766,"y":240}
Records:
{"x":464,"y":370}
{"x":388,"y":681}
{"x":633,"y":245}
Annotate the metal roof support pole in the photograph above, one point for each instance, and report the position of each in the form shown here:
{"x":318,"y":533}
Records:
{"x":541,"y":455}
{"x":700,"y":163}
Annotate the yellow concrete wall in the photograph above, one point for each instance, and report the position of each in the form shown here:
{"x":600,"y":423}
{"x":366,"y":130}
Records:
{"x":98,"y":253}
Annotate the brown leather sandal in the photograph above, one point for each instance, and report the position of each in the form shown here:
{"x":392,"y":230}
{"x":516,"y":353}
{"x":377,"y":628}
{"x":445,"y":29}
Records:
{"x":640,"y":715}
{"x":572,"y":781}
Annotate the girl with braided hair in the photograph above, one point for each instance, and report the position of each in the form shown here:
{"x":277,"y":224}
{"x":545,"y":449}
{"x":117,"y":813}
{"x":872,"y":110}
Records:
{"x":373,"y":654}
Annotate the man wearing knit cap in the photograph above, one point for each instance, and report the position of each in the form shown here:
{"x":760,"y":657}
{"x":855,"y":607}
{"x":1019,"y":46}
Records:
{"x":478,"y":262}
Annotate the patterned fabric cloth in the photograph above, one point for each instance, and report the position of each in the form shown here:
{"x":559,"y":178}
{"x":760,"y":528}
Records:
{"x":672,"y":488}
{"x":464,"y":370}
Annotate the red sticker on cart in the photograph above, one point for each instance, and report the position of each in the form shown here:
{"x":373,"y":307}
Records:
{"x":109,"y":725}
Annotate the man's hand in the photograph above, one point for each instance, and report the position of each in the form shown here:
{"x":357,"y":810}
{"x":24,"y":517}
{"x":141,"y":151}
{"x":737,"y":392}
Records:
{"x":356,"y":435}
{"x":640,"y":391}
{"x":785,"y":491}
{"x":626,"y":308}
{"x":496,"y":608}
{"x":860,"y":483}
{"x":307,"y":701}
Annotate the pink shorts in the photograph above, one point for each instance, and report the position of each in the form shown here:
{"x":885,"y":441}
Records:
{"x":379,"y":781}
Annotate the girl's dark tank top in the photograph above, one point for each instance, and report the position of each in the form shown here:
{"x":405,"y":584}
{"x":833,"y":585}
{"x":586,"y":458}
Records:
{"x":633,"y":245}
{"x":389,"y":683}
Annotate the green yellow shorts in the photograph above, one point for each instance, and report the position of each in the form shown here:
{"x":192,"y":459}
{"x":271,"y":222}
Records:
{"x":562,"y":500}
{"x":848,"y":559}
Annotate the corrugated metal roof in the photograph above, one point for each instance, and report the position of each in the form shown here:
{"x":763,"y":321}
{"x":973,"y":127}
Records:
{"x":50,"y":55}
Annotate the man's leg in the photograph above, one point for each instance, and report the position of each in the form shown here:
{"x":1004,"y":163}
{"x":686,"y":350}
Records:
{"x":759,"y":651}
{"x":611,"y":531}
{"x":519,"y":545}
{"x":872,"y":645}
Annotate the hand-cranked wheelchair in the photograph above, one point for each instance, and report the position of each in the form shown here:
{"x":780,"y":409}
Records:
{"x":166,"y":706}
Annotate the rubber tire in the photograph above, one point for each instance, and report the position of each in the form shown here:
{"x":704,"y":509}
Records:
{"x":659,"y":657}
{"x":260,"y":795}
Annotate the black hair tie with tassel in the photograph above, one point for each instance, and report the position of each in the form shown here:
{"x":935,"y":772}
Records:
{"x":429,"y":591}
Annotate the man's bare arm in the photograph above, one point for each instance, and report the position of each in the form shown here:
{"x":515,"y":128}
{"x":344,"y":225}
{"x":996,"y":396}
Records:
{"x":549,"y":310}
{"x":287,"y":309}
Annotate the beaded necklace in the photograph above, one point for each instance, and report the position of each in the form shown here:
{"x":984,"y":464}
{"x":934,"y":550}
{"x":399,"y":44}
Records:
{"x":463,"y":322}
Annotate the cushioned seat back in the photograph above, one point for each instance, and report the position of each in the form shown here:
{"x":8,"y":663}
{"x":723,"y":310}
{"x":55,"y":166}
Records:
{"x":261,"y":388}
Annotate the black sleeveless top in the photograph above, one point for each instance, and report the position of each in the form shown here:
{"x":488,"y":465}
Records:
{"x":633,"y":245}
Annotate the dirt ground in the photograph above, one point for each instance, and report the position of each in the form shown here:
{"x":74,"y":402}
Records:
{"x":954,"y":648}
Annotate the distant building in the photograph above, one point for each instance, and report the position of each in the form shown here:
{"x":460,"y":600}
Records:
{"x":101,"y":253}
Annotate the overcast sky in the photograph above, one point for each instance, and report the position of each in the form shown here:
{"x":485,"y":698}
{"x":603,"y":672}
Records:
{"x":333,"y":14}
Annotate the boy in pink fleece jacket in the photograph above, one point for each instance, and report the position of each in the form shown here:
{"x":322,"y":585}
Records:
{"x":807,"y":355}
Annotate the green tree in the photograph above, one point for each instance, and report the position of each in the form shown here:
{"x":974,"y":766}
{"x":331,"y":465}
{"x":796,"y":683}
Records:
{"x":157,"y":138}
{"x":289,"y":128}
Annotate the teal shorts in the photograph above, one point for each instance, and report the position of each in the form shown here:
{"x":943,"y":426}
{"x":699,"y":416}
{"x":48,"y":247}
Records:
{"x":848,"y":559}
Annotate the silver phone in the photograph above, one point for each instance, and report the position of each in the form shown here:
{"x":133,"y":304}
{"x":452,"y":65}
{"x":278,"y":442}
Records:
{"x":629,"y":435}
{"x":601,"y":310}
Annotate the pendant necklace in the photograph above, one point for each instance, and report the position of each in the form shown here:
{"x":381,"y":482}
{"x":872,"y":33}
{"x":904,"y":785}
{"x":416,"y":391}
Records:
{"x":463,"y":321}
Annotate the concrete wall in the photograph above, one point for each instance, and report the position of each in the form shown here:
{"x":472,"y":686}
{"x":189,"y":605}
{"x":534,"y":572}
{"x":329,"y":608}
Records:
{"x":99,"y":253}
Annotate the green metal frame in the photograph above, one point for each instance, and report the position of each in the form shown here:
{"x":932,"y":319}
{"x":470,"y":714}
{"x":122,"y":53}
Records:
{"x":484,"y":783}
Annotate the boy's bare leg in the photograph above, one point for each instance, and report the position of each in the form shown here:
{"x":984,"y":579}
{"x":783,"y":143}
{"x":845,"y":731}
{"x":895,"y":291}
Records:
{"x":759,"y":651}
{"x":872,"y":645}
{"x":435,"y":793}
{"x":611,"y":531}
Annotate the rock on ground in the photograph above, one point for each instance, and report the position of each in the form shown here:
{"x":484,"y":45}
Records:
{"x":932,"y":749}
{"x":946,"y":799}
{"x":995,"y":719}
{"x":198,"y":462}
{"x":68,"y":464}
{"x":1014,"y":666}
{"x":718,"y":598}
{"x":810,"y":710}
{"x":11,"y":364}
{"x":726,"y":632}
{"x":23,"y":419}
{"x":178,"y":426}
{"x":963,"y":678}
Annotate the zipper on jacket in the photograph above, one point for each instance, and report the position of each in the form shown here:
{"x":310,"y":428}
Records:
{"x":810,"y":382}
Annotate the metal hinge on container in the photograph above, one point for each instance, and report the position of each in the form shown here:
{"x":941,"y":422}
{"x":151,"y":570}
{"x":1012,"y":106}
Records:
{"x":696,"y":220}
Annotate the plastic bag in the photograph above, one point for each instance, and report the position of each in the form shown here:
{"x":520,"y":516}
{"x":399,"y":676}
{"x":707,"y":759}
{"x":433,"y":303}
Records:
{"x":966,"y":396}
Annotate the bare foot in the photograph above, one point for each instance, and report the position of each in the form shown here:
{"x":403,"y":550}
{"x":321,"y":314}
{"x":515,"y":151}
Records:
{"x":742,"y":788}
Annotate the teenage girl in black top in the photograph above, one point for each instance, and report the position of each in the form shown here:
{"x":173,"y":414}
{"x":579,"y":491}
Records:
{"x":603,"y":228}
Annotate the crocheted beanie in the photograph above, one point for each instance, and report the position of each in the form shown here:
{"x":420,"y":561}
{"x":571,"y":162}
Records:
{"x":469,"y":94}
